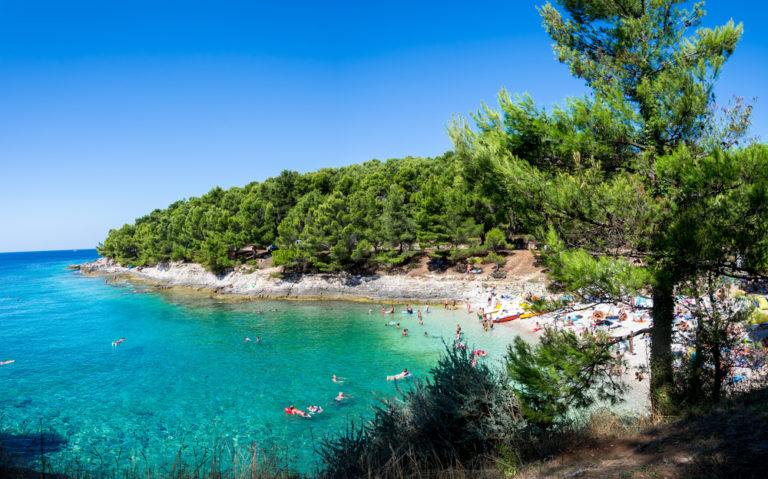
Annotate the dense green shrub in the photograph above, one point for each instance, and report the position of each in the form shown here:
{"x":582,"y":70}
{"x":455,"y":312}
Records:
{"x":461,"y":414}
{"x":495,"y":259}
{"x":495,"y":240}
{"x":562,"y":373}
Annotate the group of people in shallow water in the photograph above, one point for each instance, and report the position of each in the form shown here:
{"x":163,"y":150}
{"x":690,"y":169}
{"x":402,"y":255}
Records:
{"x":312,"y":410}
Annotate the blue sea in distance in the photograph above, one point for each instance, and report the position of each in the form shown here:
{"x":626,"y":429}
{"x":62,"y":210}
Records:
{"x":185,"y":379}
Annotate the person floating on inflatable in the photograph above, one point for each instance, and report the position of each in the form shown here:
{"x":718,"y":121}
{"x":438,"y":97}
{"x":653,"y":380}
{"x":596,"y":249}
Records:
{"x":3,"y":363}
{"x":402,"y":375}
{"x":292,"y":410}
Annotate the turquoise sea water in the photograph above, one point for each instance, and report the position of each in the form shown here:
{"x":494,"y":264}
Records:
{"x":185,"y":378}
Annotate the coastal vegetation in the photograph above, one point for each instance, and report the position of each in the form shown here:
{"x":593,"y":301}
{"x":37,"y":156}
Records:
{"x":350,"y":218}
{"x":642,"y":186}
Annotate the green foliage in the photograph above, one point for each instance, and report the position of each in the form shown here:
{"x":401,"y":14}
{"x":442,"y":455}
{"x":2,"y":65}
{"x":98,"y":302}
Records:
{"x":592,"y":277}
{"x":495,"y":259}
{"x":460,"y":414}
{"x":213,"y":255}
{"x":637,"y":185}
{"x":329,"y":220}
{"x":462,"y":254}
{"x":495,"y":240}
{"x":561,"y":373}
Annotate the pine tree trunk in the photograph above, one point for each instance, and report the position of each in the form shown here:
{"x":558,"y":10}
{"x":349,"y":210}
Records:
{"x":662,"y":378}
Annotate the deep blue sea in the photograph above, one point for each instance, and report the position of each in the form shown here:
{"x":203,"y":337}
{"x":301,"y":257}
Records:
{"x":185,"y":379}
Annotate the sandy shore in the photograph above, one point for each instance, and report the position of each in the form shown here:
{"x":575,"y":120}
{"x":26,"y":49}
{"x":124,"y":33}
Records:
{"x":637,"y":398}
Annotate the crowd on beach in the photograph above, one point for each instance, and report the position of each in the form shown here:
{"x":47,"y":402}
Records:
{"x":629,"y":322}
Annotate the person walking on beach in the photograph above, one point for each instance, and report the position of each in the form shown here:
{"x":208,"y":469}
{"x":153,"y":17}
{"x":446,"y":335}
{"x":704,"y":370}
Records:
{"x":469,"y":306}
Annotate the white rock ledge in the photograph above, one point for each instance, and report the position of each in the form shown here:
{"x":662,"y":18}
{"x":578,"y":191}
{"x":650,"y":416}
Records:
{"x":248,"y":283}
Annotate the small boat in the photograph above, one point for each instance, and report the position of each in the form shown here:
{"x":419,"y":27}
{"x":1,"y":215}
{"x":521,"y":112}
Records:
{"x":504,"y":319}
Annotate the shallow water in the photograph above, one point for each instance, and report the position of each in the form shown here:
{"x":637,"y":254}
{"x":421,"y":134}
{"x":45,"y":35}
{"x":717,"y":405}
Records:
{"x":185,"y":376}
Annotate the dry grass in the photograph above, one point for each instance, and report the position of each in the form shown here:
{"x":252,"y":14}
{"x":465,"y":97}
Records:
{"x":730,"y":441}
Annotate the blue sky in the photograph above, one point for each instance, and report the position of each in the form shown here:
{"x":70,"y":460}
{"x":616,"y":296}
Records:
{"x":109,"y":110}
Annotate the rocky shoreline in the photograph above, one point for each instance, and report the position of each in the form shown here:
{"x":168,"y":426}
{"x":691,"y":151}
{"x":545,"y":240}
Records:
{"x":246,"y":282}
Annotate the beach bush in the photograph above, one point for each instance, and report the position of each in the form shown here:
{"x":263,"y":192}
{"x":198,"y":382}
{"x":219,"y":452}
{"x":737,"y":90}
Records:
{"x":564,"y":372}
{"x":494,"y":258}
{"x":495,"y":240}
{"x":457,"y":418}
{"x":462,"y":254}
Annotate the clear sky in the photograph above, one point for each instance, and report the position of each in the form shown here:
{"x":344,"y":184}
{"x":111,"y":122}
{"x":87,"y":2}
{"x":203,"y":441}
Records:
{"x":109,"y":110}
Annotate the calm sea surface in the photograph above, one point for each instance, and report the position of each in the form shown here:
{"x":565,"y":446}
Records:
{"x":185,"y":379}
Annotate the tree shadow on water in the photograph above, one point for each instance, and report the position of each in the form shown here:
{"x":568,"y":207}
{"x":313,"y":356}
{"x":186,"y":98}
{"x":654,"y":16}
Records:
{"x":26,"y":447}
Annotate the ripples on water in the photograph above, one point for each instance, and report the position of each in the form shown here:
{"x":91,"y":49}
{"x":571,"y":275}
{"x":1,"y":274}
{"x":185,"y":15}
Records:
{"x":185,"y":377}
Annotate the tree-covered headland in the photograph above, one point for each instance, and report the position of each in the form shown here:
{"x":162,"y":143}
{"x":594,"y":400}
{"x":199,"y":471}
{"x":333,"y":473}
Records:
{"x":350,"y":218}
{"x":643,"y":185}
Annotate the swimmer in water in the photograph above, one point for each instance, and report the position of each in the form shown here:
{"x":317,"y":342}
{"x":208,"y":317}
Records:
{"x":258,"y":339}
{"x":115,"y":343}
{"x":405,"y":373}
{"x":314,"y":409}
{"x":247,"y":339}
{"x":425,"y":334}
{"x":341,"y":397}
{"x":337,"y":379}
{"x":3,"y":363}
{"x":274,"y":310}
{"x":259,"y":312}
{"x":398,"y":326}
{"x":405,"y":332}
